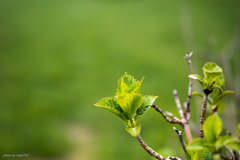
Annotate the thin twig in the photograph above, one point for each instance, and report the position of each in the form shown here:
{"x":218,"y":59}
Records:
{"x":164,"y":115}
{"x":173,"y":117}
{"x":226,"y":158}
{"x":185,"y":116}
{"x":152,"y":152}
{"x":181,"y":139}
{"x":233,"y":153}
{"x":187,"y":110}
{"x":183,"y":119}
{"x":203,"y":114}
{"x":178,"y":104}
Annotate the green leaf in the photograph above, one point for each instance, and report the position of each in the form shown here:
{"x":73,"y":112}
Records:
{"x":111,"y":105}
{"x":216,"y":87}
{"x":216,"y":156}
{"x":195,"y":154}
{"x":225,"y":93}
{"x":220,"y":81}
{"x":146,"y":104}
{"x":211,"y":73}
{"x":207,"y":155}
{"x":199,"y":78}
{"x":189,"y":154}
{"x":238,"y":131}
{"x":129,"y":102}
{"x":200,"y":144}
{"x":201,"y":95}
{"x":222,"y":141}
{"x":214,"y":96}
{"x":198,"y":154}
{"x":127,"y":84}
{"x":197,"y":94}
{"x":195,"y":76}
{"x":234,"y":145}
{"x":212,"y":127}
{"x":134,"y":131}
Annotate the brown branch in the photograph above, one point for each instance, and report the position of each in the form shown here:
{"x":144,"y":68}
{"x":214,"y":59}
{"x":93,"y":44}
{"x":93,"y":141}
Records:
{"x":233,"y":153}
{"x":180,"y":111}
{"x":187,"y":108}
{"x":173,"y":117}
{"x":226,"y":158}
{"x":152,"y":152}
{"x":164,"y":115}
{"x":181,"y":140}
{"x":185,"y":116}
{"x":203,"y":114}
{"x":187,"y":132}
{"x":184,"y":121}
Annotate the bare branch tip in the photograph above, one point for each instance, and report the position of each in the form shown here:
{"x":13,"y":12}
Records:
{"x":174,"y":91}
{"x":168,"y":113}
{"x":190,"y":54}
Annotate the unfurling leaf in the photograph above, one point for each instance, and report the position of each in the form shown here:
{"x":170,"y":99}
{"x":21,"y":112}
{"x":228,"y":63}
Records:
{"x":223,"y":95}
{"x":146,"y":104}
{"x":216,"y":87}
{"x":223,"y":141}
{"x":199,"y":78}
{"x":134,"y":131}
{"x":129,"y":102}
{"x":201,"y":95}
{"x":212,"y":127}
{"x":200,"y":144}
{"x":111,"y":105}
{"x":211,"y":73}
{"x":127,"y":84}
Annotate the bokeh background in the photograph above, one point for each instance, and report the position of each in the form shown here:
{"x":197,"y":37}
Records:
{"x":58,"y":58}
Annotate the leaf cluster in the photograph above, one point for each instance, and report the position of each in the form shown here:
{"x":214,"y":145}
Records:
{"x":212,"y":128}
{"x":128,"y":104}
{"x":215,"y":97}
{"x":211,"y":73}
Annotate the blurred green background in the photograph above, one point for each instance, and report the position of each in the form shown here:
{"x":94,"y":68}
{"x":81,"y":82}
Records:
{"x":58,"y":58}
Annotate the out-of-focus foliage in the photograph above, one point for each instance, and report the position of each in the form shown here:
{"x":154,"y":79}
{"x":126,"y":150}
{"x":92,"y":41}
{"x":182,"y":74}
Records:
{"x":57,"y":58}
{"x":212,"y":128}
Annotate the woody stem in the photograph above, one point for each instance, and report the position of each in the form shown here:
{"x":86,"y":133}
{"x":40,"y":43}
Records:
{"x":203,"y":114}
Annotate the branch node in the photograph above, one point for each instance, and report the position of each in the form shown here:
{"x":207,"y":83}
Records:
{"x":175,"y":120}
